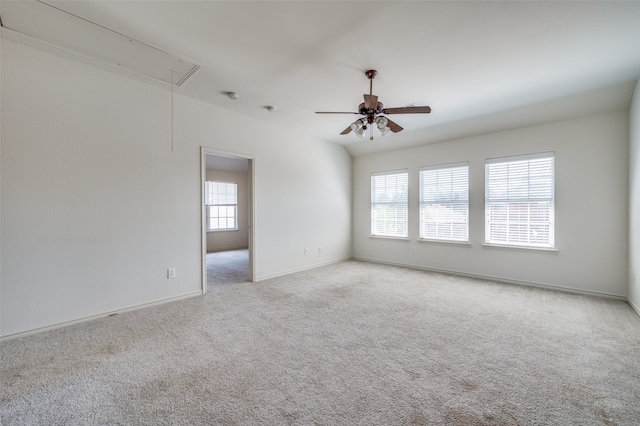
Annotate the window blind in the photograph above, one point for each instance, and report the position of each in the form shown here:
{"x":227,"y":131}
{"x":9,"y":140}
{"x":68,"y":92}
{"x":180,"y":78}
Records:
{"x":519,"y":201}
{"x":444,"y":202}
{"x":389,"y":204}
{"x":221,"y":199}
{"x":220,"y":193}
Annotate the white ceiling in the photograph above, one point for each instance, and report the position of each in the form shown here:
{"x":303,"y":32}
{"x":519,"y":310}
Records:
{"x":481,"y":66}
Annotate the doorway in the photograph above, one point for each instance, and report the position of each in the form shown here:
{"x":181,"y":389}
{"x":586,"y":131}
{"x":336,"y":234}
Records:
{"x":227,"y":220}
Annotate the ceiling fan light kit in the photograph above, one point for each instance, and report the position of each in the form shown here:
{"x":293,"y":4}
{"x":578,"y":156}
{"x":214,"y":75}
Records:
{"x":372,"y":111}
{"x":359,"y":127}
{"x":382,"y":123}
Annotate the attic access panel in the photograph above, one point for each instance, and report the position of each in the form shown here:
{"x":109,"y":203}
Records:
{"x":57,"y":27}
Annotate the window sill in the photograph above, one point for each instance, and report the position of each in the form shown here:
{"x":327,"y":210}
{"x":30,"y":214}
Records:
{"x":384,"y":237}
{"x":449,"y":242}
{"x":222,"y":230}
{"x":526,"y":248}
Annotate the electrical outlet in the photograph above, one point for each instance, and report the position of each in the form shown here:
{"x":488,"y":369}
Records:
{"x":171,"y":273}
{"x":413,"y":250}
{"x":306,"y":250}
{"x":319,"y":251}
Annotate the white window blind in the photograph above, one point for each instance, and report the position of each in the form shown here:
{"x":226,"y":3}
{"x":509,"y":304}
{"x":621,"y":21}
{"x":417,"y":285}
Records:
{"x":444,"y":202}
{"x":221,"y":200}
{"x":519,"y":201}
{"x":389,"y":204}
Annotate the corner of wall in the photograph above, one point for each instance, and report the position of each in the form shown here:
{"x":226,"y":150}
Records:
{"x":0,"y":189}
{"x":634,"y":199}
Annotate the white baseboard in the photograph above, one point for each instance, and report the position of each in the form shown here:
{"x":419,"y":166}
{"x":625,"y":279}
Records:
{"x":499,"y":279}
{"x":634,"y":307}
{"x":230,"y":248}
{"x":94,"y":317}
{"x":266,"y":277}
{"x":306,"y":268}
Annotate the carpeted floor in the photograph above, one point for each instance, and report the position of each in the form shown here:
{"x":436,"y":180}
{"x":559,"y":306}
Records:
{"x":227,"y":267}
{"x":348,"y":344}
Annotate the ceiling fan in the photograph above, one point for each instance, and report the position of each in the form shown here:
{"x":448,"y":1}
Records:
{"x":372,"y":111}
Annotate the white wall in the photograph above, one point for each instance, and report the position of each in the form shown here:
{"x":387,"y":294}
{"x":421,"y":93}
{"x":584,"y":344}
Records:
{"x":229,"y":240}
{"x":96,"y":206}
{"x":0,"y":189}
{"x":591,"y":189}
{"x":634,"y":200}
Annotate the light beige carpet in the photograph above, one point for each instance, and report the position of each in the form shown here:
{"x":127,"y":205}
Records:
{"x":227,"y":267}
{"x":348,"y":344}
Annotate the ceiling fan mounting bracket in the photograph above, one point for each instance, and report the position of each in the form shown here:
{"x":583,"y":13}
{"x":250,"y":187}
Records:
{"x":371,"y":74}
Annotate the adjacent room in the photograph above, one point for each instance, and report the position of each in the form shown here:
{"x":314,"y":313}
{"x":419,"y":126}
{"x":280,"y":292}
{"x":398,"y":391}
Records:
{"x":313,"y":212}
{"x":227,"y":206}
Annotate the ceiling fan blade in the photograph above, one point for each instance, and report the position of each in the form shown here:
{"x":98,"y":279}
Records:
{"x":408,"y":110}
{"x":334,"y":112}
{"x":370,"y":101}
{"x":394,"y":127}
{"x":347,"y":130}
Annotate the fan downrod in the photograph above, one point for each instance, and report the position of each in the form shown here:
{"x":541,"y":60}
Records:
{"x":371,"y":74}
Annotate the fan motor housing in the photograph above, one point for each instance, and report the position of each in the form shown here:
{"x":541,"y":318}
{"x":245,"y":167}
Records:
{"x":366,"y":111}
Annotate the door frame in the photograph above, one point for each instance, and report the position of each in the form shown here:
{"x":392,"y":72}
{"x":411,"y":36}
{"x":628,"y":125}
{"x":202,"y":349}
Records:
{"x":204,"y":151}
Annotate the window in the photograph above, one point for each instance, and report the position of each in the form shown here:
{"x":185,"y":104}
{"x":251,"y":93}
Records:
{"x":389,"y":204}
{"x":519,"y":201}
{"x":444,"y":202}
{"x":221,"y":200}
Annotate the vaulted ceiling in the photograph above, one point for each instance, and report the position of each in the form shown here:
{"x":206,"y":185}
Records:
{"x":481,"y":66}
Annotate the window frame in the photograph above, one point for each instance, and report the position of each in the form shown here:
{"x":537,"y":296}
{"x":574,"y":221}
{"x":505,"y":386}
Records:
{"x":210,"y":204}
{"x":397,"y":206}
{"x":516,"y":201}
{"x":451,"y":203}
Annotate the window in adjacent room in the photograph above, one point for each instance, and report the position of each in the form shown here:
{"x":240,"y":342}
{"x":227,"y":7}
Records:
{"x":221,"y":200}
{"x":389,"y":204}
{"x":519,"y":201}
{"x":444,"y":202}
